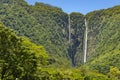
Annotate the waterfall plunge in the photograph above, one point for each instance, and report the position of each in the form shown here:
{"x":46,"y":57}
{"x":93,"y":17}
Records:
{"x":85,"y":48}
{"x":69,"y":26}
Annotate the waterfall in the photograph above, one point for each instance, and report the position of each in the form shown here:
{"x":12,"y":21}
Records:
{"x":85,"y":48}
{"x":69,"y":26}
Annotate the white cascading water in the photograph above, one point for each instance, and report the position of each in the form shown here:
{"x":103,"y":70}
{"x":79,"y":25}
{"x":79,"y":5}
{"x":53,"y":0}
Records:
{"x":85,"y":49}
{"x":69,"y":26}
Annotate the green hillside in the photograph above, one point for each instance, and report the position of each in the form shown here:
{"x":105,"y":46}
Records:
{"x":104,"y":39}
{"x":23,"y":60}
{"x":46,"y":25}
{"x":42,"y":24}
{"x":41,"y":42}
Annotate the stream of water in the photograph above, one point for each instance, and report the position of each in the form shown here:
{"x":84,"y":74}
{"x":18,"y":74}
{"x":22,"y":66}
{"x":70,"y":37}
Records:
{"x":69,"y":26}
{"x":85,"y":49}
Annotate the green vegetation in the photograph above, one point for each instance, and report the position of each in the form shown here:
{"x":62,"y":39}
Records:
{"x":20,"y":59}
{"x":104,"y":39}
{"x":34,"y":44}
{"x":42,"y":24}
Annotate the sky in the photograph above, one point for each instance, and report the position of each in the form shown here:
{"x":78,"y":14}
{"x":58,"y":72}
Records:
{"x":82,"y":6}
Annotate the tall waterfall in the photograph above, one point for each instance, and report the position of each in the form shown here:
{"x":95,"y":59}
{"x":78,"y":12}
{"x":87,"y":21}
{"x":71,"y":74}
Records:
{"x":69,"y":26}
{"x":85,"y":48}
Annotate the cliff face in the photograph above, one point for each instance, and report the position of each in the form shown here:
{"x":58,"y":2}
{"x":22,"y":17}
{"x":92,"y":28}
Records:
{"x":103,"y":24}
{"x":104,"y":39}
{"x":75,"y":49}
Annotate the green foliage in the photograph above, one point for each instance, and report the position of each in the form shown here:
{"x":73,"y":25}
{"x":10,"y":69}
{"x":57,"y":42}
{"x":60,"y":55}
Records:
{"x":19,"y":58}
{"x":104,"y":39}
{"x":48,"y":24}
{"x":49,"y":27}
{"x":69,"y":74}
{"x":114,"y":73}
{"x":23,"y":60}
{"x":38,"y":51}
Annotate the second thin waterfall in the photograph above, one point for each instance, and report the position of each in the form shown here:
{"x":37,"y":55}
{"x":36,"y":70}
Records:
{"x":85,"y":48}
{"x":69,"y":26}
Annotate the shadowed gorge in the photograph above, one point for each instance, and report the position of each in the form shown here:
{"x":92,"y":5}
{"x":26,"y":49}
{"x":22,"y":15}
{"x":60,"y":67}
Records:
{"x":41,"y":42}
{"x":77,"y":37}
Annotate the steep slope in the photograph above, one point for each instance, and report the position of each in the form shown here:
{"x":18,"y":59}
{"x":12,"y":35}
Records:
{"x":104,"y":39}
{"x":75,"y":49}
{"x":20,"y":59}
{"x":42,"y":24}
{"x":46,"y":25}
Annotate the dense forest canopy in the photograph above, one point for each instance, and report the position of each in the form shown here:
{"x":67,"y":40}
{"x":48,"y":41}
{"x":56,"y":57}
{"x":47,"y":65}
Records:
{"x":34,"y":43}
